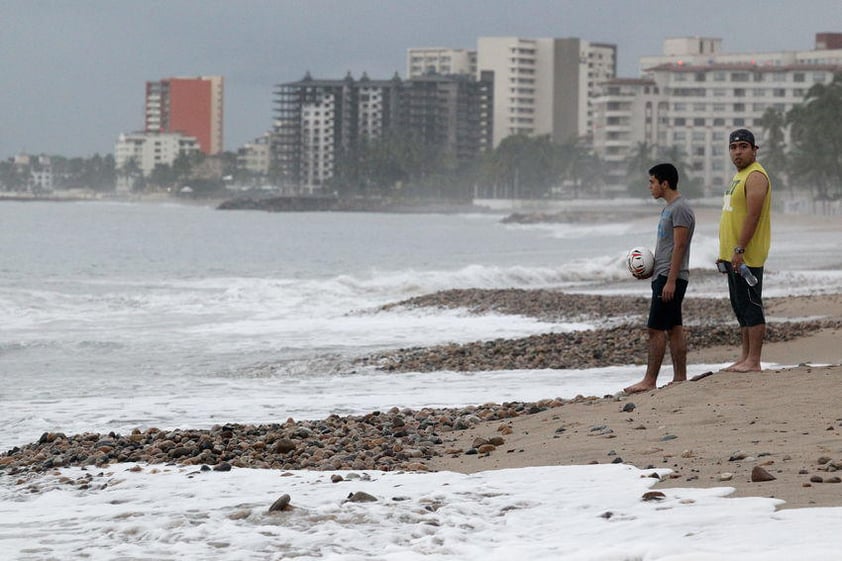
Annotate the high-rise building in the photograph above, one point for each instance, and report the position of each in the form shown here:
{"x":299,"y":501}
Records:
{"x":545,"y":86}
{"x":190,"y":106}
{"x":693,"y":95}
{"x":322,"y":123}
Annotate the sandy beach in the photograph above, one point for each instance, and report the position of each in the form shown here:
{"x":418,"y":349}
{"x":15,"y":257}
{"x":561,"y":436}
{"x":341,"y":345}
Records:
{"x":712,"y":432}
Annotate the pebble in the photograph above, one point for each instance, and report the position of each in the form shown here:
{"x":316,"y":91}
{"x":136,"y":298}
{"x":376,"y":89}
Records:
{"x":617,"y":343}
{"x":362,"y":442}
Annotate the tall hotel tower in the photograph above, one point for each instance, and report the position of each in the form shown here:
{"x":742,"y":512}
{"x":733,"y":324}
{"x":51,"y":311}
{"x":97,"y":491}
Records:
{"x":190,"y":106}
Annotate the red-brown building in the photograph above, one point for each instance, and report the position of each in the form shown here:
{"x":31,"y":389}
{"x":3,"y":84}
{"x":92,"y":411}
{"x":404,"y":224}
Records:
{"x":190,"y":106}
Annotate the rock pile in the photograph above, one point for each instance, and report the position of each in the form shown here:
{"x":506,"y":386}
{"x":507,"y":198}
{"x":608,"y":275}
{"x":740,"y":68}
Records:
{"x":398,"y":439}
{"x":709,"y":323}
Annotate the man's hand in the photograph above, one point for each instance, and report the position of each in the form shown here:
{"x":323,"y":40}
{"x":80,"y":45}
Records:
{"x":668,"y":292}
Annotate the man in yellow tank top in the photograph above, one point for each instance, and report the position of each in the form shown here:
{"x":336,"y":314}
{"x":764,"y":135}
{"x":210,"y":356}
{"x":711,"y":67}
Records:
{"x":745,"y":234}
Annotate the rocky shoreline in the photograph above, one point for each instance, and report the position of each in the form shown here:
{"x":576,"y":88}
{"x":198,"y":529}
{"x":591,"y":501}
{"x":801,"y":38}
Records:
{"x":398,"y":439}
{"x":622,"y":341}
{"x":406,"y":439}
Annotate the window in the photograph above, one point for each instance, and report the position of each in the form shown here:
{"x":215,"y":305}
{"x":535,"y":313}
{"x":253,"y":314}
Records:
{"x":739,"y":107}
{"x":759,"y":92}
{"x":698,"y":136}
{"x":719,"y":76}
{"x":739,"y":92}
{"x":699,"y":122}
{"x":739,"y":76}
{"x":798,"y":77}
{"x":819,"y":77}
{"x":779,"y":92}
{"x":739,"y":122}
{"x":680,"y":121}
{"x":679,"y":136}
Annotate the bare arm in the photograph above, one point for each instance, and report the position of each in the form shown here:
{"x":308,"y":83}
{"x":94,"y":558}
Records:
{"x":680,"y":235}
{"x":757,"y":187}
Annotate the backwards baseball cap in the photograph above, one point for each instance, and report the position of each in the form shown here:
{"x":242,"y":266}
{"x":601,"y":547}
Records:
{"x":741,"y":135}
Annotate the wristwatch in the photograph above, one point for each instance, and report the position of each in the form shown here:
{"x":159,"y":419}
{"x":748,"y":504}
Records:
{"x":739,"y":250}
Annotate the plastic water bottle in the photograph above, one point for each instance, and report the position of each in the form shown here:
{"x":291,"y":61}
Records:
{"x":747,"y":274}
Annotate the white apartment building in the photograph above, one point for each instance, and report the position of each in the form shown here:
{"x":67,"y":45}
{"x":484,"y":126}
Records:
{"x":440,"y":60}
{"x":626,"y":117}
{"x":148,"y":150}
{"x":693,"y":97}
{"x":545,"y":86}
{"x":318,"y":139}
{"x":541,"y":86}
{"x":254,"y":156}
{"x":699,"y":51}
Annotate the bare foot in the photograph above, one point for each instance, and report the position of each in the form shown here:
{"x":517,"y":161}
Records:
{"x":734,"y":367}
{"x":746,"y":367}
{"x":640,"y":387}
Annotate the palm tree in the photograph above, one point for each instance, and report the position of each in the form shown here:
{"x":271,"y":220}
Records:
{"x":773,"y":123}
{"x":816,"y":138}
{"x":640,"y":160}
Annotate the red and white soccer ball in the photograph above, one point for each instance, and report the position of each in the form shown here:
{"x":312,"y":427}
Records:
{"x":641,"y":262}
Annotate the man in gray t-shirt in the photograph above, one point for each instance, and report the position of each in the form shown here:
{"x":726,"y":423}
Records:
{"x":671,"y":273}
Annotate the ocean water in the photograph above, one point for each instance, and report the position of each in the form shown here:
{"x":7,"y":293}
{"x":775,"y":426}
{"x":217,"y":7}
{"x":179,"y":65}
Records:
{"x":117,"y":315}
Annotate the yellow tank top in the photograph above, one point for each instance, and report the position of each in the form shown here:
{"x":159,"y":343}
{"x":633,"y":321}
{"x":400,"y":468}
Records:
{"x":734,"y":211}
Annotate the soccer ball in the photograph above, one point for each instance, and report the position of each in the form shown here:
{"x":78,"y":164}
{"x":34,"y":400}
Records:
{"x":641,"y":262}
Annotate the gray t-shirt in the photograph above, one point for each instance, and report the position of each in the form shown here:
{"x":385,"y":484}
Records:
{"x":677,"y":213}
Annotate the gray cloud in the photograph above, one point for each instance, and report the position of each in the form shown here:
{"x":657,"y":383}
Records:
{"x":74,"y":71}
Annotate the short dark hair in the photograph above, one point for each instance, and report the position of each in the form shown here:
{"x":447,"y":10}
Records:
{"x":665,"y":172}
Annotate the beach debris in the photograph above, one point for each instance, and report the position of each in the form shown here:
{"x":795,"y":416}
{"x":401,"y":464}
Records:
{"x":360,"y":497}
{"x":725,"y":476}
{"x":737,"y":456}
{"x":653,"y":496}
{"x":336,"y":478}
{"x":668,"y":437}
{"x":629,"y":407}
{"x":281,"y":504}
{"x":758,"y":475}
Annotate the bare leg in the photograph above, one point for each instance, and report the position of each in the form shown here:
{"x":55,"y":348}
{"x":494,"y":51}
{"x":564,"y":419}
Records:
{"x":743,"y":353}
{"x":657,"y":349}
{"x":678,"y":352}
{"x":752,"y":348}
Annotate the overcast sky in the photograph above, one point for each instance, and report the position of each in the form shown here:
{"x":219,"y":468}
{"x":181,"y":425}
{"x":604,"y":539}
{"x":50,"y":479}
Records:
{"x":72,"y":73}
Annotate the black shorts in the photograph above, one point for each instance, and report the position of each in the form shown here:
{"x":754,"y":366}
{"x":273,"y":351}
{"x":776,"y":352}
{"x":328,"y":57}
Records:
{"x":663,"y":316}
{"x":746,"y":300}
